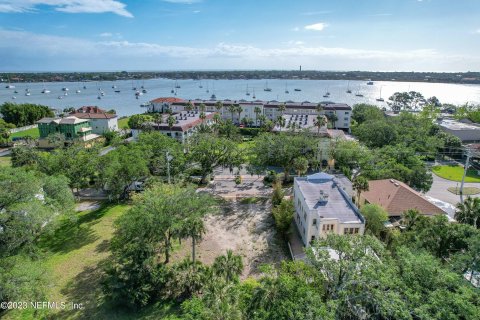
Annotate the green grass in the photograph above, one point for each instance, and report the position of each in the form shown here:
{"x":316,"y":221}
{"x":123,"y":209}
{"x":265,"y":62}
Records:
{"x":5,"y":161}
{"x":122,"y":123}
{"x":455,"y":173}
{"x":468,"y":191}
{"x":34,"y":133}
{"x":74,"y":256}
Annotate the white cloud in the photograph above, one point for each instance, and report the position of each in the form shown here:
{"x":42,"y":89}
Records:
{"x":296,"y":29}
{"x":70,"y":6}
{"x":34,"y":51}
{"x":105,"y":34}
{"x":316,"y":26}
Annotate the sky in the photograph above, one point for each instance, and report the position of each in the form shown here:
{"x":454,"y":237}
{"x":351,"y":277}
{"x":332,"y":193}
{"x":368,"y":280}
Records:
{"x":134,"y":35}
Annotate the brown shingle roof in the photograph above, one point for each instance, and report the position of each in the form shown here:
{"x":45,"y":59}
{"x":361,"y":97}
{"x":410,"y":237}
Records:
{"x":396,"y":197}
{"x":94,"y":115}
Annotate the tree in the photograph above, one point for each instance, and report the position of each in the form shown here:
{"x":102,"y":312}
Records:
{"x":282,"y":108}
{"x":281,"y":121}
{"x":24,"y":114}
{"x":360,"y":184}
{"x":277,"y":194}
{"x":282,"y":149}
{"x":228,"y":266}
{"x":209,"y":151}
{"x":300,"y":165}
{"x":24,"y":156}
{"x":410,"y":218}
{"x":283,"y":215}
{"x":121,"y":168}
{"x":232,"y":109}
{"x":202,"y":107}
{"x":239,"y":110}
{"x":365,"y":112}
{"x":137,"y":120}
{"x":257,"y":110}
{"x":171,"y":121}
{"x":218,"y":106}
{"x":376,"y":133}
{"x":320,"y":121}
{"x":195,"y":229}
{"x":468,"y":212}
{"x":375,"y":217}
{"x":332,"y":117}
{"x":189,"y":106}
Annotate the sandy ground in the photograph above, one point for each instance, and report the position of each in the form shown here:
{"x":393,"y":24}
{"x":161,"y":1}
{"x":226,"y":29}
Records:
{"x":247,"y":229}
{"x":87,"y":205}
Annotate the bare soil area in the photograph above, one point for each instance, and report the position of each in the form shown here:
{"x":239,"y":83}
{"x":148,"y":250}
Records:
{"x":246,"y":228}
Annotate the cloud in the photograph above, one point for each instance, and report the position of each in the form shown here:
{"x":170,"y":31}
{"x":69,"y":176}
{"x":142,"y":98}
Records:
{"x":296,"y":29}
{"x":70,"y":6}
{"x":106,"y":34}
{"x":34,"y":51}
{"x":316,"y":26}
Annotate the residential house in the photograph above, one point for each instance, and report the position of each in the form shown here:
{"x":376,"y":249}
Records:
{"x":100,"y":120}
{"x":396,"y":197}
{"x":322,"y":206}
{"x":73,"y":129}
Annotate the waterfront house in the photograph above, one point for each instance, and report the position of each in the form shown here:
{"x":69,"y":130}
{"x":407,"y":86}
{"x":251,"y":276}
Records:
{"x":100,"y":120}
{"x":322,"y":206}
{"x":72,"y":128}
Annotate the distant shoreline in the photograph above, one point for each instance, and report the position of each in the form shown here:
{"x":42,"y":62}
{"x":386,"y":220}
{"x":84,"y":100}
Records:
{"x":428,"y":77}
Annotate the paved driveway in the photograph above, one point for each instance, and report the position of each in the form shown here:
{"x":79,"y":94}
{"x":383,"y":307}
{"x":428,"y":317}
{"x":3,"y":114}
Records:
{"x":439,"y":189}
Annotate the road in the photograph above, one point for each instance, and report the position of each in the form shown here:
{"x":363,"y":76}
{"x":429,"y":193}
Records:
{"x":439,"y":189}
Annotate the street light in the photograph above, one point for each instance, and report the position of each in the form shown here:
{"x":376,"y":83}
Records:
{"x":169,"y":158}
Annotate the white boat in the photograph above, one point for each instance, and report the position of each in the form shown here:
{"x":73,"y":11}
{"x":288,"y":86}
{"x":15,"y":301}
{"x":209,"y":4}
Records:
{"x":370,"y":83}
{"x":247,"y":92}
{"x":45,"y":91}
{"x":65,"y":89}
{"x":266,"y":87}
{"x":253,"y":94}
{"x":380,"y":99}
{"x":78,"y":91}
{"x":59,"y":97}
{"x":14,"y":97}
{"x":65,"y":94}
{"x":9,"y":86}
{"x":348,"y":88}
{"x":286,"y":89}
{"x":27,"y":93}
{"x":102,"y":93}
{"x":177,"y":85}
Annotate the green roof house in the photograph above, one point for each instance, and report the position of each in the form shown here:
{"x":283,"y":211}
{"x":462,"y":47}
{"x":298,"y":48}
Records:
{"x":71,"y":127}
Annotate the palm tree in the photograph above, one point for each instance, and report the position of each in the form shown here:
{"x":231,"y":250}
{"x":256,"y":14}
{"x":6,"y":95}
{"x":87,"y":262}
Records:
{"x":171,"y":121}
{"x":232,"y":109}
{"x":202,"y":107}
{"x":410,"y":218}
{"x":319,"y":108}
{"x":333,"y":118}
{"x":158,"y":118}
{"x":360,"y":184}
{"x":319,"y":122}
{"x":216,"y":118}
{"x":202,"y":116}
{"x":228,"y":266}
{"x":468,"y":212}
{"x":218,"y":105}
{"x":189,"y":106}
{"x":281,"y":121}
{"x":239,"y":110}
{"x":262,"y":119}
{"x":282,"y":108}
{"x":300,"y":165}
{"x":257,"y":111}
{"x":194,"y":228}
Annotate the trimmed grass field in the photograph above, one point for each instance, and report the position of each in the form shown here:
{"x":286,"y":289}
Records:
{"x":74,"y":256}
{"x":34,"y":133}
{"x":122,"y":123}
{"x":468,"y":191}
{"x":455,"y":173}
{"x":5,"y":161}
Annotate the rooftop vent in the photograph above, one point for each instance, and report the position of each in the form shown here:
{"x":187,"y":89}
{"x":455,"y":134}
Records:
{"x":323,"y":197}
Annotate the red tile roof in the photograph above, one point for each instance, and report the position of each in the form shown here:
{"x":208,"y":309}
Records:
{"x":396,"y":197}
{"x":94,"y":115}
{"x":167,"y":99}
{"x":89,"y":109}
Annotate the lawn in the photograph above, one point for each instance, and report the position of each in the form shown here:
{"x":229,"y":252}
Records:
{"x":455,"y":173}
{"x":467,"y":191}
{"x":34,"y":133}
{"x":5,"y":161}
{"x":122,"y":123}
{"x":74,"y":256}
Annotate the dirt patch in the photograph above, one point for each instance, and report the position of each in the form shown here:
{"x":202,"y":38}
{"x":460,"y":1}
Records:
{"x":246,"y":228}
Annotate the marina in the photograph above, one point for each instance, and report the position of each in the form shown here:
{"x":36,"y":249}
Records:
{"x":119,"y":95}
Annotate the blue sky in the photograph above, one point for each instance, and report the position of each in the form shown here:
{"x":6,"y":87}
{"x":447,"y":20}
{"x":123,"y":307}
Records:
{"x":383,"y":35}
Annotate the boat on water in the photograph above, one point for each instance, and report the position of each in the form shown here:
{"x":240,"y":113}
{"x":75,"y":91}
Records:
{"x":327,"y":93}
{"x":27,"y":93}
{"x":117,"y":91}
{"x":370,"y":83}
{"x":380,"y":99}
{"x":200,"y":85}
{"x":16,"y":91}
{"x":254,"y":94}
{"x":45,"y":90}
{"x":172,"y":91}
{"x":177,"y":86}
{"x":99,"y":97}
{"x":213,"y":96}
{"x":114,"y":87}
{"x":78,"y":91}
{"x":348,"y":88}
{"x":247,"y":92}
{"x":144,"y":90}
{"x":9,"y":86}
{"x":59,"y":97}
{"x":266,"y":87}
{"x":65,"y":94}
{"x":14,"y":97}
{"x":84,"y":87}
{"x":65,"y":89}
{"x":297,"y":89}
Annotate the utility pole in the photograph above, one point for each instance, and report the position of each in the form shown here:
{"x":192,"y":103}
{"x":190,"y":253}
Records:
{"x":464,"y":174}
{"x":169,"y":158}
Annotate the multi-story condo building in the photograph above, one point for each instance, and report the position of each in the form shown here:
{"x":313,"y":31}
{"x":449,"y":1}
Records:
{"x":322,"y":206}
{"x":253,"y":109}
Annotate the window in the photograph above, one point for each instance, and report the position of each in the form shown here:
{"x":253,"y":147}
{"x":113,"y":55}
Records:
{"x":356,"y":230}
{"x":346,"y":112}
{"x":345,"y":124}
{"x":312,"y":239}
{"x":328,"y":227}
{"x":314,"y":222}
{"x":346,"y":118}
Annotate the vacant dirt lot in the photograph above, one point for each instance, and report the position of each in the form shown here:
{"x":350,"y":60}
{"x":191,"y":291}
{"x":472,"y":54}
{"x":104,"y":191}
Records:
{"x":246,"y":228}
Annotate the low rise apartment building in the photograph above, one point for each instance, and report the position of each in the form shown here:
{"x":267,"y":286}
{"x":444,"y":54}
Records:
{"x":322,"y":206}
{"x":100,"y":120}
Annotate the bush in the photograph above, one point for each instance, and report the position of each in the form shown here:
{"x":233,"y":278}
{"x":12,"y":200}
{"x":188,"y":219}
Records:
{"x":251,"y":132}
{"x":271,"y":178}
{"x":283,"y":215}
{"x":238,"y":179}
{"x":278,"y":194}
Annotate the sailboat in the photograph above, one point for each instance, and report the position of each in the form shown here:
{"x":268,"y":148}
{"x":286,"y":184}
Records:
{"x":207,"y":88}
{"x":266,"y":87}
{"x":286,"y":89}
{"x":45,"y":89}
{"x":348,"y":88}
{"x":200,"y":86}
{"x":254,"y":94}
{"x":133,"y":87}
{"x":177,"y":85}
{"x":27,"y":91}
{"x":327,"y":94}
{"x":297,"y":89}
{"x":247,"y":92}
{"x":358,"y":94}
{"x":380,"y":99}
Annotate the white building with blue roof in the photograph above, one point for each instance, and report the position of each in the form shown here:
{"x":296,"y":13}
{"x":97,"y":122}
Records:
{"x":322,"y":206}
